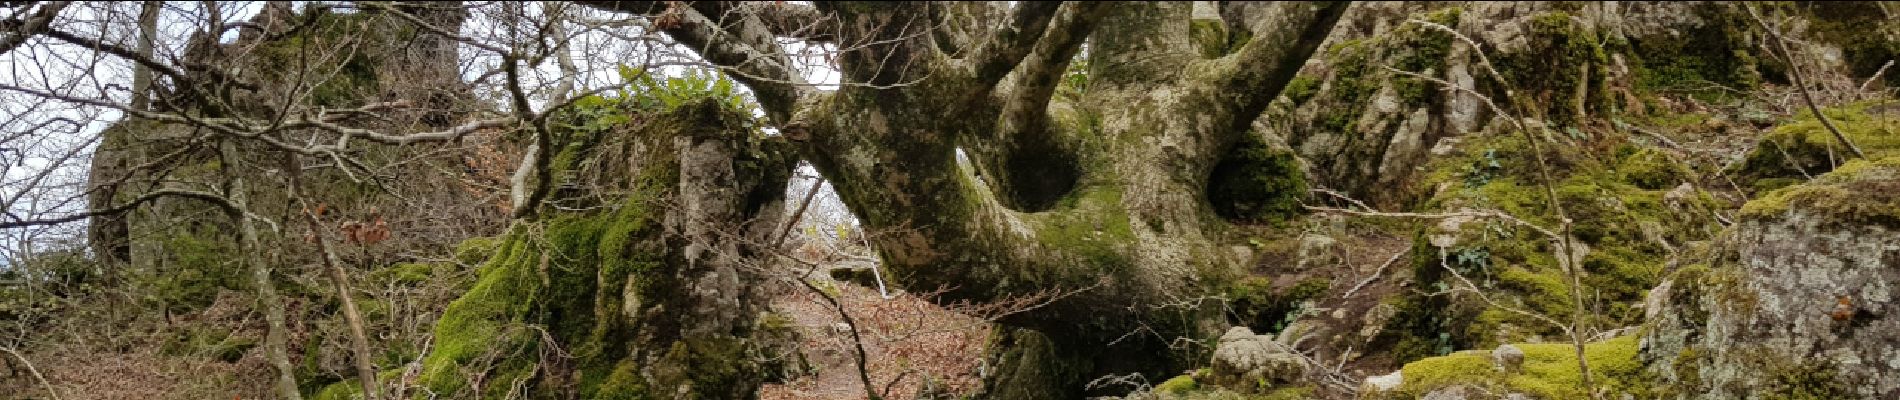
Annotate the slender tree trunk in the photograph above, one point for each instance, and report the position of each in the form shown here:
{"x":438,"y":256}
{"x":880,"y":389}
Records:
{"x":359,"y":339}
{"x":276,"y":349}
{"x":147,"y":40}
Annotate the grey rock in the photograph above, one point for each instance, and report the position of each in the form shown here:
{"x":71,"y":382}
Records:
{"x":1508,"y":358}
{"x":1243,"y":358}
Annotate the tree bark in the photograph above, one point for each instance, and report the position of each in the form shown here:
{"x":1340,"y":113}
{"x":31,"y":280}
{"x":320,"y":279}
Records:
{"x":657,"y":294}
{"x":361,"y":356}
{"x":276,"y":350}
{"x":147,"y":40}
{"x":1135,"y":232}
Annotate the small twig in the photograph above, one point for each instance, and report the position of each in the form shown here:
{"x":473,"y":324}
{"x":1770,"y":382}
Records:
{"x":1377,"y":273}
{"x":1869,"y":84}
{"x":1800,"y":85}
{"x":800,"y":213}
{"x":857,"y":339}
{"x":34,"y":371}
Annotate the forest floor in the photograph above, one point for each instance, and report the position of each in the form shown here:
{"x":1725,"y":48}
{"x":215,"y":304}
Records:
{"x":910,"y":343}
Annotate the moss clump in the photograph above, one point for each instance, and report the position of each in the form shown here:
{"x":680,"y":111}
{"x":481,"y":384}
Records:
{"x":1650,"y":169}
{"x":218,"y":344}
{"x":1550,"y":370}
{"x":1190,"y":387}
{"x":1257,"y":183}
{"x":476,"y":249}
{"x":1859,"y":192}
{"x":1718,"y":51}
{"x":1625,"y":210}
{"x":1804,"y":148}
{"x":194,"y":266}
{"x":404,"y":274}
{"x":1561,"y":76}
{"x":1864,"y":31}
{"x":1179,"y":385}
{"x":1809,"y":380}
{"x":1301,"y":89}
{"x":1261,"y":306}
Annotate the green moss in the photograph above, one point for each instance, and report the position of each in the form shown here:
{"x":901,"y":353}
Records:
{"x":1562,"y":74}
{"x":1259,"y":305}
{"x":404,"y":274}
{"x":1095,"y":237}
{"x":1301,"y":89}
{"x":1860,"y":192}
{"x":1179,"y":385}
{"x":1805,"y":148}
{"x":216,"y":344}
{"x":1864,"y":32}
{"x":1719,"y":51}
{"x":1257,"y":183}
{"x":346,"y":390}
{"x":1623,"y":213}
{"x":1652,"y":170}
{"x":1808,"y":380}
{"x":572,"y":279}
{"x":474,"y":250}
{"x":1550,"y":370}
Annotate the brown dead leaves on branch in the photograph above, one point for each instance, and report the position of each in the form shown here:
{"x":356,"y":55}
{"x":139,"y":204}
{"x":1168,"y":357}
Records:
{"x":357,"y":232}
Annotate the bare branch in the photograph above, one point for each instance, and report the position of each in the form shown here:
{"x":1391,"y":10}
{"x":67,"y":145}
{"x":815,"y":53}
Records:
{"x":739,"y":40}
{"x":1801,"y":85}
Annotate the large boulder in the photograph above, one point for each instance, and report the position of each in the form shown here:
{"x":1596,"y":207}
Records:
{"x":1795,"y":301}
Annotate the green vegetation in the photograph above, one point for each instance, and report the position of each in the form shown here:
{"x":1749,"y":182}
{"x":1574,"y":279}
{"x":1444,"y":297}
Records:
{"x":1257,"y":183}
{"x":1259,"y":305}
{"x":1627,"y":212}
{"x":1859,"y":192}
{"x":1549,"y":371}
{"x":1804,"y":148}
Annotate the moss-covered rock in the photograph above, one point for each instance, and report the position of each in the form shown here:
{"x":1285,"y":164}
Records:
{"x":1804,"y":148}
{"x":1631,"y":210}
{"x":1790,"y":303}
{"x":1549,"y":371}
{"x":609,"y":303}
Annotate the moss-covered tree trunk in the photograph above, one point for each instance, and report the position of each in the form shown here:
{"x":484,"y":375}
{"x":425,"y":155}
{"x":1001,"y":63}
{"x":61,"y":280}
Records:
{"x":1115,"y":198}
{"x":655,"y":292}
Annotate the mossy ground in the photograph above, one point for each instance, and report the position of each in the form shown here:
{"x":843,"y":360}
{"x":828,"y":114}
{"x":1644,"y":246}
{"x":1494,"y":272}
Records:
{"x":1189,"y":387}
{"x":1550,"y":370}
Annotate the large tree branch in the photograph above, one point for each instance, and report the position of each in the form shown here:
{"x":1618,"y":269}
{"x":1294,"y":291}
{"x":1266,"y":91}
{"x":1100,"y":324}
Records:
{"x":1007,"y":46}
{"x":1023,"y":131}
{"x":739,"y":41}
{"x":213,"y":198}
{"x":1246,"y":81}
{"x":959,"y":26}
{"x":1036,"y":80}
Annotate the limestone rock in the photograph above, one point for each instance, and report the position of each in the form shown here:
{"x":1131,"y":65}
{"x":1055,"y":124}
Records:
{"x":1508,"y":358}
{"x":1243,"y":358}
{"x":1383,"y":383}
{"x":1798,"y":298}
